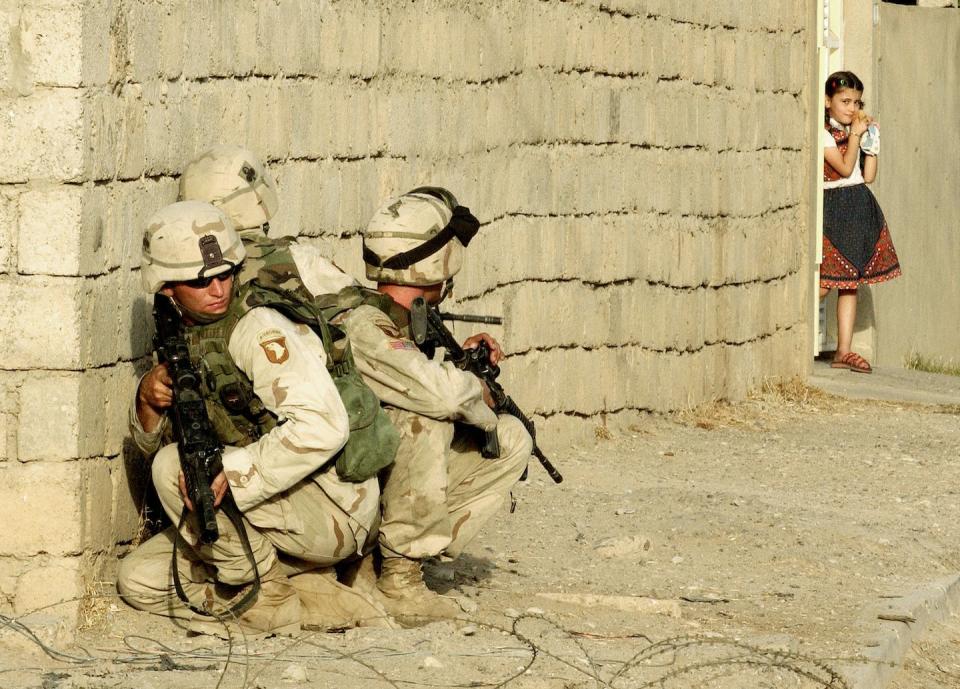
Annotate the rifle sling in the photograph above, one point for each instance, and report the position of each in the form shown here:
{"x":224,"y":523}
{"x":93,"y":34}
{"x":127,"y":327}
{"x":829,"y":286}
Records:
{"x":230,"y":509}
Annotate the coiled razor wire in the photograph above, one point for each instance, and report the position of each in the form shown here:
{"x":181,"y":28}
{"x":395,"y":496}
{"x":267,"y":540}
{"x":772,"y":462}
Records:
{"x":536,"y":637}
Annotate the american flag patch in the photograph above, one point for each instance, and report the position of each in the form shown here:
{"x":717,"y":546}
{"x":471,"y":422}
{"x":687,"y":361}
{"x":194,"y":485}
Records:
{"x":402,"y":344}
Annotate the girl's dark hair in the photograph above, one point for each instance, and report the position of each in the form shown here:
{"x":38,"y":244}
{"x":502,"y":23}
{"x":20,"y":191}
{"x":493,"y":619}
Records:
{"x":843,"y":80}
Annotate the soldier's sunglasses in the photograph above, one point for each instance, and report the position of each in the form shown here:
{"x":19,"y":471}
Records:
{"x":203,"y":283}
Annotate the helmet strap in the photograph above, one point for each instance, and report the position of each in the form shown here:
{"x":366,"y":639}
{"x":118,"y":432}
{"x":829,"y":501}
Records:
{"x":447,"y":288}
{"x":463,"y":225}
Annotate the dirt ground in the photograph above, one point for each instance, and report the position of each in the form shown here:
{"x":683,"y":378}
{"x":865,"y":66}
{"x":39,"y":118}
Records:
{"x":768,"y":534}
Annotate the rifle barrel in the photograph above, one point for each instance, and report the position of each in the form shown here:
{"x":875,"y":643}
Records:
{"x":468,"y":318}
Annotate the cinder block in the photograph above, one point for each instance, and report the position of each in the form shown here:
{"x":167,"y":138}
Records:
{"x":115,"y":317}
{"x":369,"y":37}
{"x":726,"y":58}
{"x":41,"y":318}
{"x":104,"y":400}
{"x":50,"y":37}
{"x":170,"y":46}
{"x":97,"y":499}
{"x":272,"y":44}
{"x":14,"y":72}
{"x":119,"y":142}
{"x":131,"y":478}
{"x":42,"y":132}
{"x":8,"y":424}
{"x":105,"y":129}
{"x":268,"y":118}
{"x":119,"y":389}
{"x":50,"y":230}
{"x":46,"y":583}
{"x":141,"y":25}
{"x":115,"y":216}
{"x":99,"y":62}
{"x":8,"y":230}
{"x":40,"y":504}
{"x":223,"y":37}
{"x":49,"y":417}
{"x":330,"y":35}
{"x":153,"y":102}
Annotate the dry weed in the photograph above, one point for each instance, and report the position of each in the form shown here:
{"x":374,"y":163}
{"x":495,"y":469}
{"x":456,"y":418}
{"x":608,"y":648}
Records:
{"x":772,"y":402}
{"x":602,"y":433}
{"x":92,"y":612}
{"x":718,"y":414}
{"x":795,"y":392}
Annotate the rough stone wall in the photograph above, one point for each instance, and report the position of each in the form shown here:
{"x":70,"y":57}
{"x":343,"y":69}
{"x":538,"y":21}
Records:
{"x":640,"y":166}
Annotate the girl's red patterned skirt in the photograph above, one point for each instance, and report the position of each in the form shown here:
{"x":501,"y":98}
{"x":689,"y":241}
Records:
{"x":857,"y":248}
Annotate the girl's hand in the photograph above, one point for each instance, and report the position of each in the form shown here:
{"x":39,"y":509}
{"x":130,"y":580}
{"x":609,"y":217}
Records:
{"x":860,"y":121}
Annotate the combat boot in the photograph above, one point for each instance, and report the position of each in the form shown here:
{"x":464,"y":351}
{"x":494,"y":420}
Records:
{"x":361,"y":575}
{"x":329,"y":605}
{"x":276,"y":609}
{"x":407,"y":598}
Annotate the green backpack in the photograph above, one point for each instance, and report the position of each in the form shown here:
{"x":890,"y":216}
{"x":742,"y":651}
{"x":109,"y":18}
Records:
{"x":373,"y":440}
{"x":269,"y":278}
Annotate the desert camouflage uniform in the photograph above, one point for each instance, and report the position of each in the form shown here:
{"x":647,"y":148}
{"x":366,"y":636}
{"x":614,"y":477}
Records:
{"x":440,"y":491}
{"x":305,"y":514}
{"x":291,"y":260}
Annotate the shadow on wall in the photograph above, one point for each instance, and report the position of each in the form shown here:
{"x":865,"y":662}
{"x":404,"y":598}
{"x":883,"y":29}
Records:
{"x":142,"y":494}
{"x":137,"y":465}
{"x":866,"y":324}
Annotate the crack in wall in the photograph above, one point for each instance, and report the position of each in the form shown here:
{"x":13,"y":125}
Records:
{"x":663,"y":351}
{"x":389,"y":75}
{"x":597,"y":285}
{"x":632,"y":211}
{"x":646,"y":15}
{"x":537,"y":145}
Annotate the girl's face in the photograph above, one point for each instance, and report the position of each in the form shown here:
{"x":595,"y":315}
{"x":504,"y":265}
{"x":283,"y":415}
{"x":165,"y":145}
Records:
{"x":842,"y":105}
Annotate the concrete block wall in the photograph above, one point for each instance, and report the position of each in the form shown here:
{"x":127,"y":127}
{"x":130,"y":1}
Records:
{"x":639,"y":167}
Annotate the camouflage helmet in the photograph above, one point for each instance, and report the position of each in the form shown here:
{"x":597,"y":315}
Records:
{"x":232,"y":178}
{"x":188,"y":240}
{"x":418,"y":238}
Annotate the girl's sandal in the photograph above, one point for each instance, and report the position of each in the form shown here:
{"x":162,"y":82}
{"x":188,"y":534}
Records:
{"x":853,"y":362}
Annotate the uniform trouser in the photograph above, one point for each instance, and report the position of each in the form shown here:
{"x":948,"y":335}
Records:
{"x":305,"y":527}
{"x":440,"y":491}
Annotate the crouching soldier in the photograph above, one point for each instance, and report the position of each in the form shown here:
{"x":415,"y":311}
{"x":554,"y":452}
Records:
{"x":282,"y":424}
{"x":440,"y":490}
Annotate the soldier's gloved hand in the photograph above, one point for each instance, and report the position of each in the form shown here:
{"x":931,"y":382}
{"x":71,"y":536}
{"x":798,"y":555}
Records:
{"x":496,"y":353}
{"x":156,"y":388}
{"x":219,"y":488}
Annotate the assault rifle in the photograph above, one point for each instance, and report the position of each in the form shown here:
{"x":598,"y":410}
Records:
{"x":201,"y":452}
{"x":200,"y":449}
{"x":429,"y":332}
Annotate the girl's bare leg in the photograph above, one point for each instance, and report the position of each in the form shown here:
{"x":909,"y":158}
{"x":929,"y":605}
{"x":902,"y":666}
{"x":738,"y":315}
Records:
{"x":824,"y":291}
{"x":846,"y":315}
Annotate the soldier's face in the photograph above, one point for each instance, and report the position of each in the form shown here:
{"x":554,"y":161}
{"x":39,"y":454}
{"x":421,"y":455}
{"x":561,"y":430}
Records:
{"x":210,"y":300}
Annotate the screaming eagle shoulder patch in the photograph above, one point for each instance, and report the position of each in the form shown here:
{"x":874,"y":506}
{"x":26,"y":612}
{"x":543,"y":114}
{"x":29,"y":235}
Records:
{"x":274,"y":345}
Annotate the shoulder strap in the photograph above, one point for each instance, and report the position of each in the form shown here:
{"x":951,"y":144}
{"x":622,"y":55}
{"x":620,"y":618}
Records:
{"x":296,"y":304}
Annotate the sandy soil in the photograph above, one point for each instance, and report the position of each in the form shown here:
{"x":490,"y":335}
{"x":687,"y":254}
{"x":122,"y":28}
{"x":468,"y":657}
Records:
{"x":769,"y":535}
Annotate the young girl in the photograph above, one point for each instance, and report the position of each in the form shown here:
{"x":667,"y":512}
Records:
{"x":857,"y":248}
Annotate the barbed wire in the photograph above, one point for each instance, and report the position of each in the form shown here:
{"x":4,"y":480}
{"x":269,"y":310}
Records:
{"x":674,"y":661}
